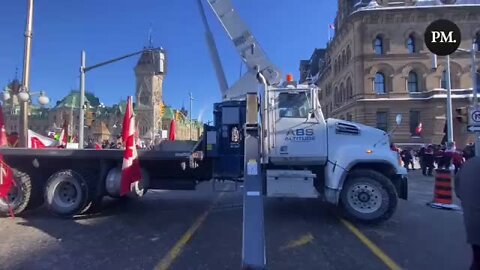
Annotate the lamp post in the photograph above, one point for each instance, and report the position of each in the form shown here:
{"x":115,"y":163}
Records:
{"x":26,"y":75}
{"x":474,"y":75}
{"x":24,"y":97}
{"x":190,"y":114}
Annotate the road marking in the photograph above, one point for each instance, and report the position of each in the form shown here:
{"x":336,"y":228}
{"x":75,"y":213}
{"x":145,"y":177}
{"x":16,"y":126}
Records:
{"x":177,"y":249}
{"x":303,"y":240}
{"x":373,"y":248}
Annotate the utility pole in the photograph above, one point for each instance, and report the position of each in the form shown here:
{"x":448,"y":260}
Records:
{"x":190,"y":114}
{"x":449,"y":103}
{"x":26,"y":75}
{"x":81,"y":124}
{"x":475,"y":92}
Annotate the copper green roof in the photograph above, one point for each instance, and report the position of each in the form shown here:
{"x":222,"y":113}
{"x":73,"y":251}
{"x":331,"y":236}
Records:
{"x":73,"y":100}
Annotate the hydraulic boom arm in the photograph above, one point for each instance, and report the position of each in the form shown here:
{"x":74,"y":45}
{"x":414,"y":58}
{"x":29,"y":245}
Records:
{"x":247,"y":47}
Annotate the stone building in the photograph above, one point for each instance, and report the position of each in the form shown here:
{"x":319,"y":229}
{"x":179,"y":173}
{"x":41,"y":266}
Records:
{"x":105,"y":122}
{"x":377,"y":66}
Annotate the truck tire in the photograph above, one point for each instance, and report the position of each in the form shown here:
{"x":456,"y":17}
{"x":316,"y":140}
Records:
{"x":67,"y":193}
{"x":19,"y":196}
{"x":368,"y":196}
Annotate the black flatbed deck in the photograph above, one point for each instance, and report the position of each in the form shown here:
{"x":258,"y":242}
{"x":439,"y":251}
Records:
{"x":93,"y":153}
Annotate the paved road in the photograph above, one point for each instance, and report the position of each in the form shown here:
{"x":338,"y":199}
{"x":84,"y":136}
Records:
{"x":202,"y":230}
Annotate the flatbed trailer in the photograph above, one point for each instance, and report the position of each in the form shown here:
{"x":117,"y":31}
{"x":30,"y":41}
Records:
{"x":82,"y":177}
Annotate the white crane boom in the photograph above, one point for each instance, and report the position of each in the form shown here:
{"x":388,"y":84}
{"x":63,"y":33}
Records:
{"x":248,"y":48}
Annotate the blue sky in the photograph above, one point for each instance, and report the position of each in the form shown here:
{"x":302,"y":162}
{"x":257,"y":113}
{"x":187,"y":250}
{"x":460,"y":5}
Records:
{"x":287,"y":30}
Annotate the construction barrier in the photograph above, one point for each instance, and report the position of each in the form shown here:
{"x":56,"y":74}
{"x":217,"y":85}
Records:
{"x":443,"y":190}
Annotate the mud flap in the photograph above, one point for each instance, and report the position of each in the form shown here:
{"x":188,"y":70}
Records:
{"x":401,"y":184}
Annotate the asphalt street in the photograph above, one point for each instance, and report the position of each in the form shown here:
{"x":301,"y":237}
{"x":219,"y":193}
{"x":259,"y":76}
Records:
{"x":203,"y":230}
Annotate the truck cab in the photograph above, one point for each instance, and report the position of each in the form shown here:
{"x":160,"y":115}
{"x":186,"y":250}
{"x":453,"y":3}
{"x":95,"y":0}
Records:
{"x":347,"y":164}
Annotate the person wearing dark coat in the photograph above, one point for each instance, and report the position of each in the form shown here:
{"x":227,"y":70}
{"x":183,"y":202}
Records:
{"x":467,"y":188}
{"x":429,"y":160}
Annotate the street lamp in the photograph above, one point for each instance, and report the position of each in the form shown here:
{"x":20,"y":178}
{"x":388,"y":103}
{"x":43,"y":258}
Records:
{"x":25,"y":96}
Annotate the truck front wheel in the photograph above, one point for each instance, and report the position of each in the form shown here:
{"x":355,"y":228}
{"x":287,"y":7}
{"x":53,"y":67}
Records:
{"x":368,"y":196}
{"x":66,"y":193}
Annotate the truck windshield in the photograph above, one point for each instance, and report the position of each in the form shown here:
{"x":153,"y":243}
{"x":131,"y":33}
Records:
{"x":293,"y":105}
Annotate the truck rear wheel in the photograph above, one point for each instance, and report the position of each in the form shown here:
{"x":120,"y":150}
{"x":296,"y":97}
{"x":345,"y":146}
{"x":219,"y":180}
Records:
{"x":368,"y":196}
{"x":19,"y":196}
{"x":66,"y":193}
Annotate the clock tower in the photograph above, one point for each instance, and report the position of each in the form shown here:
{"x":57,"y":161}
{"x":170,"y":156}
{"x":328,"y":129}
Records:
{"x":150,"y":72}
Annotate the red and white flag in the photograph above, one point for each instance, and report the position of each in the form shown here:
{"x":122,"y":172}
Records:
{"x":131,"y":172}
{"x":37,"y":141}
{"x":6,"y":173}
{"x":6,"y":183}
{"x":3,"y":132}
{"x":64,"y":136}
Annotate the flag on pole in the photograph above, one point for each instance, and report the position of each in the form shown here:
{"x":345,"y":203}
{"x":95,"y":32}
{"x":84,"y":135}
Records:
{"x":6,"y":183}
{"x":173,"y":127}
{"x":6,"y":173}
{"x":131,"y":173}
{"x":3,"y":132}
{"x":331,"y":26}
{"x":64,"y":136}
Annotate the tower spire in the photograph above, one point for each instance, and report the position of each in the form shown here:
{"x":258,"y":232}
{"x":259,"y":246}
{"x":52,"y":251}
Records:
{"x":150,"y":38}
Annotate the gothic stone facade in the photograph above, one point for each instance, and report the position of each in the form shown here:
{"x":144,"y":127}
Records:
{"x":377,"y":66}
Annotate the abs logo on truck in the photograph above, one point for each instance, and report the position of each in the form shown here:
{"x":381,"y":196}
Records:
{"x":300,"y":135}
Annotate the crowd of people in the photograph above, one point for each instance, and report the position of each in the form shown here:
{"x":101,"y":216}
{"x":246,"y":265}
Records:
{"x":435,"y":156}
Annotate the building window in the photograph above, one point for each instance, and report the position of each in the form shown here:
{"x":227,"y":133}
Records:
{"x":411,"y":44}
{"x":382,"y":121}
{"x":379,"y":83}
{"x":443,"y":80}
{"x":378,"y":45}
{"x":412,"y":82}
{"x":414,"y":122}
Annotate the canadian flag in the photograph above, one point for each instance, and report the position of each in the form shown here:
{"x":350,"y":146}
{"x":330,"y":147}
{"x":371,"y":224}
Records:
{"x":6,"y":173}
{"x":3,"y":132}
{"x":64,"y":136}
{"x":36,"y":140}
{"x":131,"y":172}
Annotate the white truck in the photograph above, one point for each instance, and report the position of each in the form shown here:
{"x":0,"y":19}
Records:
{"x":299,"y":153}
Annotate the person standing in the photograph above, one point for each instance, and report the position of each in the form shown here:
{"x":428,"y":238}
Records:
{"x":421,"y":159}
{"x":429,"y":160}
{"x":467,"y":189}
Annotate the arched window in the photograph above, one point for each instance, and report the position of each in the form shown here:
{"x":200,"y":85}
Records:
{"x":412,"y":82}
{"x":349,"y":54}
{"x":342,"y":93}
{"x":443,"y":80}
{"x":378,"y":45}
{"x":349,"y":89}
{"x":411,"y":44}
{"x":379,"y":83}
{"x":477,"y":40}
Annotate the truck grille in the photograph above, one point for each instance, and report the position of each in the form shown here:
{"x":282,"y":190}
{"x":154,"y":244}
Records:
{"x":343,"y":128}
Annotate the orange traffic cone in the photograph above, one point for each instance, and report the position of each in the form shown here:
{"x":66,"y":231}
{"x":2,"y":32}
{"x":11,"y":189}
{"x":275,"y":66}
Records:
{"x":443,"y":192}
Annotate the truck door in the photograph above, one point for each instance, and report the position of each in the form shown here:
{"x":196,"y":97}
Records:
{"x":299,"y":137}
